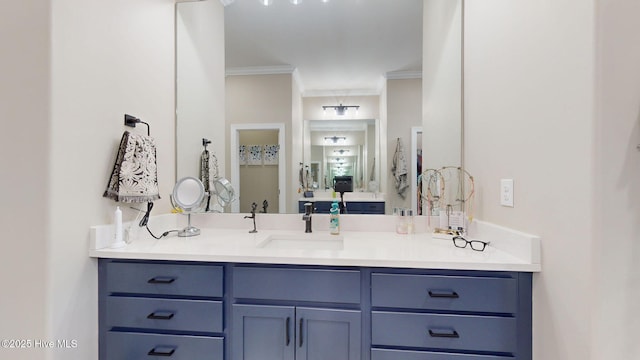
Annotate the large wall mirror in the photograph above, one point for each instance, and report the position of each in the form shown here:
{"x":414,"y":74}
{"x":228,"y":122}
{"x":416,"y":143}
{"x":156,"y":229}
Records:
{"x":411,"y":69}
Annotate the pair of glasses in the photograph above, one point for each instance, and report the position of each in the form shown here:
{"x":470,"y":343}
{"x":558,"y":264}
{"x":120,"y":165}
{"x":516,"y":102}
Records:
{"x":476,"y":245}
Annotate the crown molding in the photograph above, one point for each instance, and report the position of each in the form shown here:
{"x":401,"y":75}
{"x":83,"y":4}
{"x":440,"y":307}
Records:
{"x":260,"y":70}
{"x":399,"y":75}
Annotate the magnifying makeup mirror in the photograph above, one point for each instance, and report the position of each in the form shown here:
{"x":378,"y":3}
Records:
{"x":188,"y":195}
{"x":224,"y":191}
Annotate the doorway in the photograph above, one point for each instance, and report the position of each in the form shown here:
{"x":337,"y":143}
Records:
{"x":258,"y":166}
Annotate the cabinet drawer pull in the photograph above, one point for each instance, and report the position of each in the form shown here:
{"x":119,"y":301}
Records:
{"x":442,"y":294}
{"x":287,"y":331}
{"x":300,"y":332}
{"x":161,"y":351}
{"x":444,"y":334}
{"x":161,"y":315}
{"x":161,"y":280}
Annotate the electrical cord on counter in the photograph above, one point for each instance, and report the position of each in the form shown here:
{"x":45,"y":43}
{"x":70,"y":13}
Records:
{"x":145,"y":220}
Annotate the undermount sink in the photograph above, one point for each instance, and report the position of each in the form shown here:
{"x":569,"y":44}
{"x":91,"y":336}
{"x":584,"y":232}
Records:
{"x":303,"y":241}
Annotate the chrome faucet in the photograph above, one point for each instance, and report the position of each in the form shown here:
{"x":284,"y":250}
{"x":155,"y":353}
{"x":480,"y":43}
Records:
{"x":308,"y":209}
{"x":253,"y":216}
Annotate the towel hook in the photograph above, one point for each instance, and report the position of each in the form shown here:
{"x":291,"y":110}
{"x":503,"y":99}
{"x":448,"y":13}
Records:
{"x":131,"y":121}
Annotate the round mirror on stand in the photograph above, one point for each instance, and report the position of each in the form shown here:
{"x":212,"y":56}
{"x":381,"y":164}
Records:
{"x":224,"y":191}
{"x":188,"y":196}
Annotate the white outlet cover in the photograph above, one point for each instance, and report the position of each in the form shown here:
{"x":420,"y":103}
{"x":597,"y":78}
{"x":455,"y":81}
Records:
{"x":506,"y":192}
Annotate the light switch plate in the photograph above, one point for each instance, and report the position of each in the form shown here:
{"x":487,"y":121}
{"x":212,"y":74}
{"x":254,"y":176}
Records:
{"x":506,"y":192}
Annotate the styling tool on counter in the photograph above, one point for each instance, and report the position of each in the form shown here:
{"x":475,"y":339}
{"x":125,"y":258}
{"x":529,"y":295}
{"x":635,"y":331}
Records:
{"x":342,"y":184}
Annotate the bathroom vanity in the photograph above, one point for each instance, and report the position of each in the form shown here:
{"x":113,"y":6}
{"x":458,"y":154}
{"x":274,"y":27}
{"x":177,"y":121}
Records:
{"x":228,"y":294}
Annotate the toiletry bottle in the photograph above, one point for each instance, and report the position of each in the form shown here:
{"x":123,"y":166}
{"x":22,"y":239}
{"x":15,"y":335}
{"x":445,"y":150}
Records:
{"x":334,"y":219}
{"x":408,"y":214}
{"x":117,"y":222}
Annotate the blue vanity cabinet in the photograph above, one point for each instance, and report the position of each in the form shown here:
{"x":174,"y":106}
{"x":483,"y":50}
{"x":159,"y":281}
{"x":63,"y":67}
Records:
{"x":160,"y":309}
{"x":451,"y":316}
{"x":267,"y":332}
{"x":229,"y":311}
{"x":301,"y":313}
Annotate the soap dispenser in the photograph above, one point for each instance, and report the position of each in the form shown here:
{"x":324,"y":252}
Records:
{"x":334,"y":218}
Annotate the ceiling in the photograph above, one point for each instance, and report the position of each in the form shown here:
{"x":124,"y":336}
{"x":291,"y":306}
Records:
{"x":341,"y":46}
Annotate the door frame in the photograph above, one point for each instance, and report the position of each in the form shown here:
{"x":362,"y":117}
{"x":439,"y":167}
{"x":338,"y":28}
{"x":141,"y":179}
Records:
{"x":235,"y":161}
{"x":415,"y":130}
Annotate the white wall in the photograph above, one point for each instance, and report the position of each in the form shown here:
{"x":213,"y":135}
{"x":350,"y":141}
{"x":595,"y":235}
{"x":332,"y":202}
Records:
{"x":441,"y":83}
{"x":529,"y":76}
{"x":200,"y":84}
{"x":109,"y":57}
{"x":616,"y":255}
{"x":24,"y":148}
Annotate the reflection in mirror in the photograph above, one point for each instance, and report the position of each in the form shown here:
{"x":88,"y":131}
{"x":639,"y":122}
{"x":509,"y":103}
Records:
{"x":421,"y":88}
{"x":340,"y":148}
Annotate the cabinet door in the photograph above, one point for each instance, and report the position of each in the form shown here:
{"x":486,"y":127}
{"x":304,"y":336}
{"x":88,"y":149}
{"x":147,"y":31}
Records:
{"x":263,"y":332}
{"x":328,"y":334}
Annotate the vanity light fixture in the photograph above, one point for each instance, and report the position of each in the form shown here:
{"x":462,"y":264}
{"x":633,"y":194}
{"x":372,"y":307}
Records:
{"x":340,"y":109}
{"x":341,"y":151}
{"x":334,"y":139}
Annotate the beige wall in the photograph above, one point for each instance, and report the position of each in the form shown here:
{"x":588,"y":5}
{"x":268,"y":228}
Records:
{"x":529,"y":76}
{"x":25,"y":107}
{"x":404,"y":101}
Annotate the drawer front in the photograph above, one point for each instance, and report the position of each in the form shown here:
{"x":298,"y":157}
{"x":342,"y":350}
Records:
{"x":387,"y":354}
{"x":437,"y":331}
{"x":164,"y":314}
{"x":133,"y":346}
{"x":336,"y":286}
{"x":164,"y":279}
{"x":455,"y":293}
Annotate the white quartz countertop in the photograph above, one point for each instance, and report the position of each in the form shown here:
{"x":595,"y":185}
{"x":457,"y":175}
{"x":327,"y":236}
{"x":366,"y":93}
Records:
{"x":224,"y":238}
